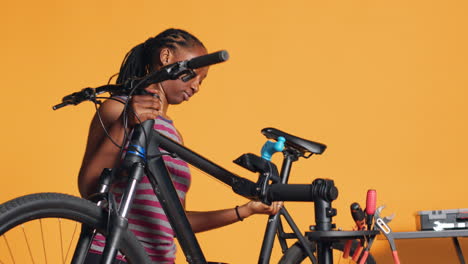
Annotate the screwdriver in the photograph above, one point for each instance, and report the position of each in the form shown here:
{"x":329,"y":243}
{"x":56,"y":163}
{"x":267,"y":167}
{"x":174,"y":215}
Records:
{"x":370,"y":207}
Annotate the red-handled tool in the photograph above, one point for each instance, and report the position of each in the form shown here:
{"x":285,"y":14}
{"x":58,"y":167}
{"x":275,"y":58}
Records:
{"x":347,"y":248}
{"x":359,"y":218}
{"x":370,"y":207}
{"x":371,"y":201}
{"x":387,"y":231}
{"x":357,"y":252}
{"x":366,"y":251}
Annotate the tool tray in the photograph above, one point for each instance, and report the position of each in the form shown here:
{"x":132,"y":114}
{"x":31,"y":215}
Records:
{"x":428,"y":219}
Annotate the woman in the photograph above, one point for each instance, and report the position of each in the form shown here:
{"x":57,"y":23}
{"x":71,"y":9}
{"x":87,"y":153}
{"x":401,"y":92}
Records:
{"x":147,"y":219}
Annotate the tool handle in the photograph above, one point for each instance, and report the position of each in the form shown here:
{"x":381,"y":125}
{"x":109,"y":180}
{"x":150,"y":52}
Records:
{"x":357,"y":253}
{"x":358,"y":215}
{"x":370,"y":207}
{"x":371,"y":201}
{"x":347,"y":248}
{"x":396,"y":259}
{"x":364,"y":257}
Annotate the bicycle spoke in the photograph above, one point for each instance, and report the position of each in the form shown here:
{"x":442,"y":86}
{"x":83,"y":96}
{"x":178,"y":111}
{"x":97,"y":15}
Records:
{"x":71,"y":242}
{"x":43,"y":241}
{"x":9,"y":249}
{"x":61,"y":238}
{"x":27,"y":243}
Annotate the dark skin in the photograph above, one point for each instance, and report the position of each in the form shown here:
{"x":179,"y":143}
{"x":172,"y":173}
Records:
{"x":101,"y":153}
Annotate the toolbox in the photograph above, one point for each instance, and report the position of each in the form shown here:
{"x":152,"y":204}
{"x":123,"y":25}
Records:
{"x":439,"y":220}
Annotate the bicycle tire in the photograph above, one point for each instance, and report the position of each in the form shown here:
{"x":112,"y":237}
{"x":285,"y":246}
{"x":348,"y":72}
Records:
{"x":296,"y":254}
{"x":45,"y":206}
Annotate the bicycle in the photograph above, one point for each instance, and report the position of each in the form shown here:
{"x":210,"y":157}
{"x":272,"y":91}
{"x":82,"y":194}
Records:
{"x":101,"y":214}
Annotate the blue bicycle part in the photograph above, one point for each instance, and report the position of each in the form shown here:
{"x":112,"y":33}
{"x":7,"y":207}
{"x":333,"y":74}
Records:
{"x":270,"y":148}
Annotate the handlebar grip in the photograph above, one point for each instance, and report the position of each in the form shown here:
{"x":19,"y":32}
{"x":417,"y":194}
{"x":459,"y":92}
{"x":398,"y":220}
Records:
{"x":58,"y":106}
{"x":301,"y":192}
{"x":208,"y":59}
{"x":290,"y":192}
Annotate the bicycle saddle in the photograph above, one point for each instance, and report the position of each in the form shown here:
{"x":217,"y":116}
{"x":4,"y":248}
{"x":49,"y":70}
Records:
{"x":306,"y":147}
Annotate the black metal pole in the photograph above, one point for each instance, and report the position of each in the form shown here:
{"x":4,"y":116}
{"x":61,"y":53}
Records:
{"x":297,"y":232}
{"x":458,"y":249}
{"x":241,"y":186}
{"x":289,"y":158}
{"x":323,"y":223}
{"x":162,"y":184}
{"x":268,"y":239}
{"x":282,"y":241}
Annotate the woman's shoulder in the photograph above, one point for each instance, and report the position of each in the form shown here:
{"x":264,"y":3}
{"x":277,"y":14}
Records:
{"x":112,"y":106}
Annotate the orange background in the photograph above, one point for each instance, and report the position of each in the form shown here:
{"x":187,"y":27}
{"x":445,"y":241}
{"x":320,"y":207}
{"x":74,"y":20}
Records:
{"x":383,"y":84}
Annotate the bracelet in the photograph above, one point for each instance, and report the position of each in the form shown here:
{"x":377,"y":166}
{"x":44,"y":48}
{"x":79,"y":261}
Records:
{"x":237,"y":213}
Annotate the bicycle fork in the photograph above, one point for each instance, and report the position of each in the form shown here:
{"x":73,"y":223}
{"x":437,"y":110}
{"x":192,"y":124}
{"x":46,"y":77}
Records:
{"x":119,"y":221}
{"x":87,"y":234}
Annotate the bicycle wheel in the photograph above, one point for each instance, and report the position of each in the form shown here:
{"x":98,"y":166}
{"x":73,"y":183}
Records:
{"x":295,"y":254}
{"x":44,"y":228}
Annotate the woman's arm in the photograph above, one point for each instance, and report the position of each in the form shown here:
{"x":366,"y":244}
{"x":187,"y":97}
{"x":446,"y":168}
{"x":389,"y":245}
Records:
{"x":203,"y":221}
{"x":100,"y":151}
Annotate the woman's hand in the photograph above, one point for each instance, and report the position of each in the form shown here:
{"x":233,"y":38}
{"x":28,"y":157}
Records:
{"x":256,"y":207}
{"x":145,"y":107}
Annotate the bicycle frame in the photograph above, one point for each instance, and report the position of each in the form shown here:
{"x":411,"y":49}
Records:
{"x":134,"y":166}
{"x":143,"y":156}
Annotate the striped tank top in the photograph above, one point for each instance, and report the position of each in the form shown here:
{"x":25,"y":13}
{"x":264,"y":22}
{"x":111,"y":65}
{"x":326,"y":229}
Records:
{"x":147,"y":219}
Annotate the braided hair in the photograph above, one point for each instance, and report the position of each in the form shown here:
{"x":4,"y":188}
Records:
{"x":141,"y":59}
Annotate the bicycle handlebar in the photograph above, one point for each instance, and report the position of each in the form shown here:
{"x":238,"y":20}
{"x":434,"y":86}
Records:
{"x":181,"y":69}
{"x":319,"y":189}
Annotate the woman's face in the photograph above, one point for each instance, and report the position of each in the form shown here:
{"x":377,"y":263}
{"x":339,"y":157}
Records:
{"x":177,"y":91}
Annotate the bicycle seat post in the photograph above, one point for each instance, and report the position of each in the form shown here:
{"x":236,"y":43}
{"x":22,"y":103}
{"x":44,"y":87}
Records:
{"x":290,"y":156}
